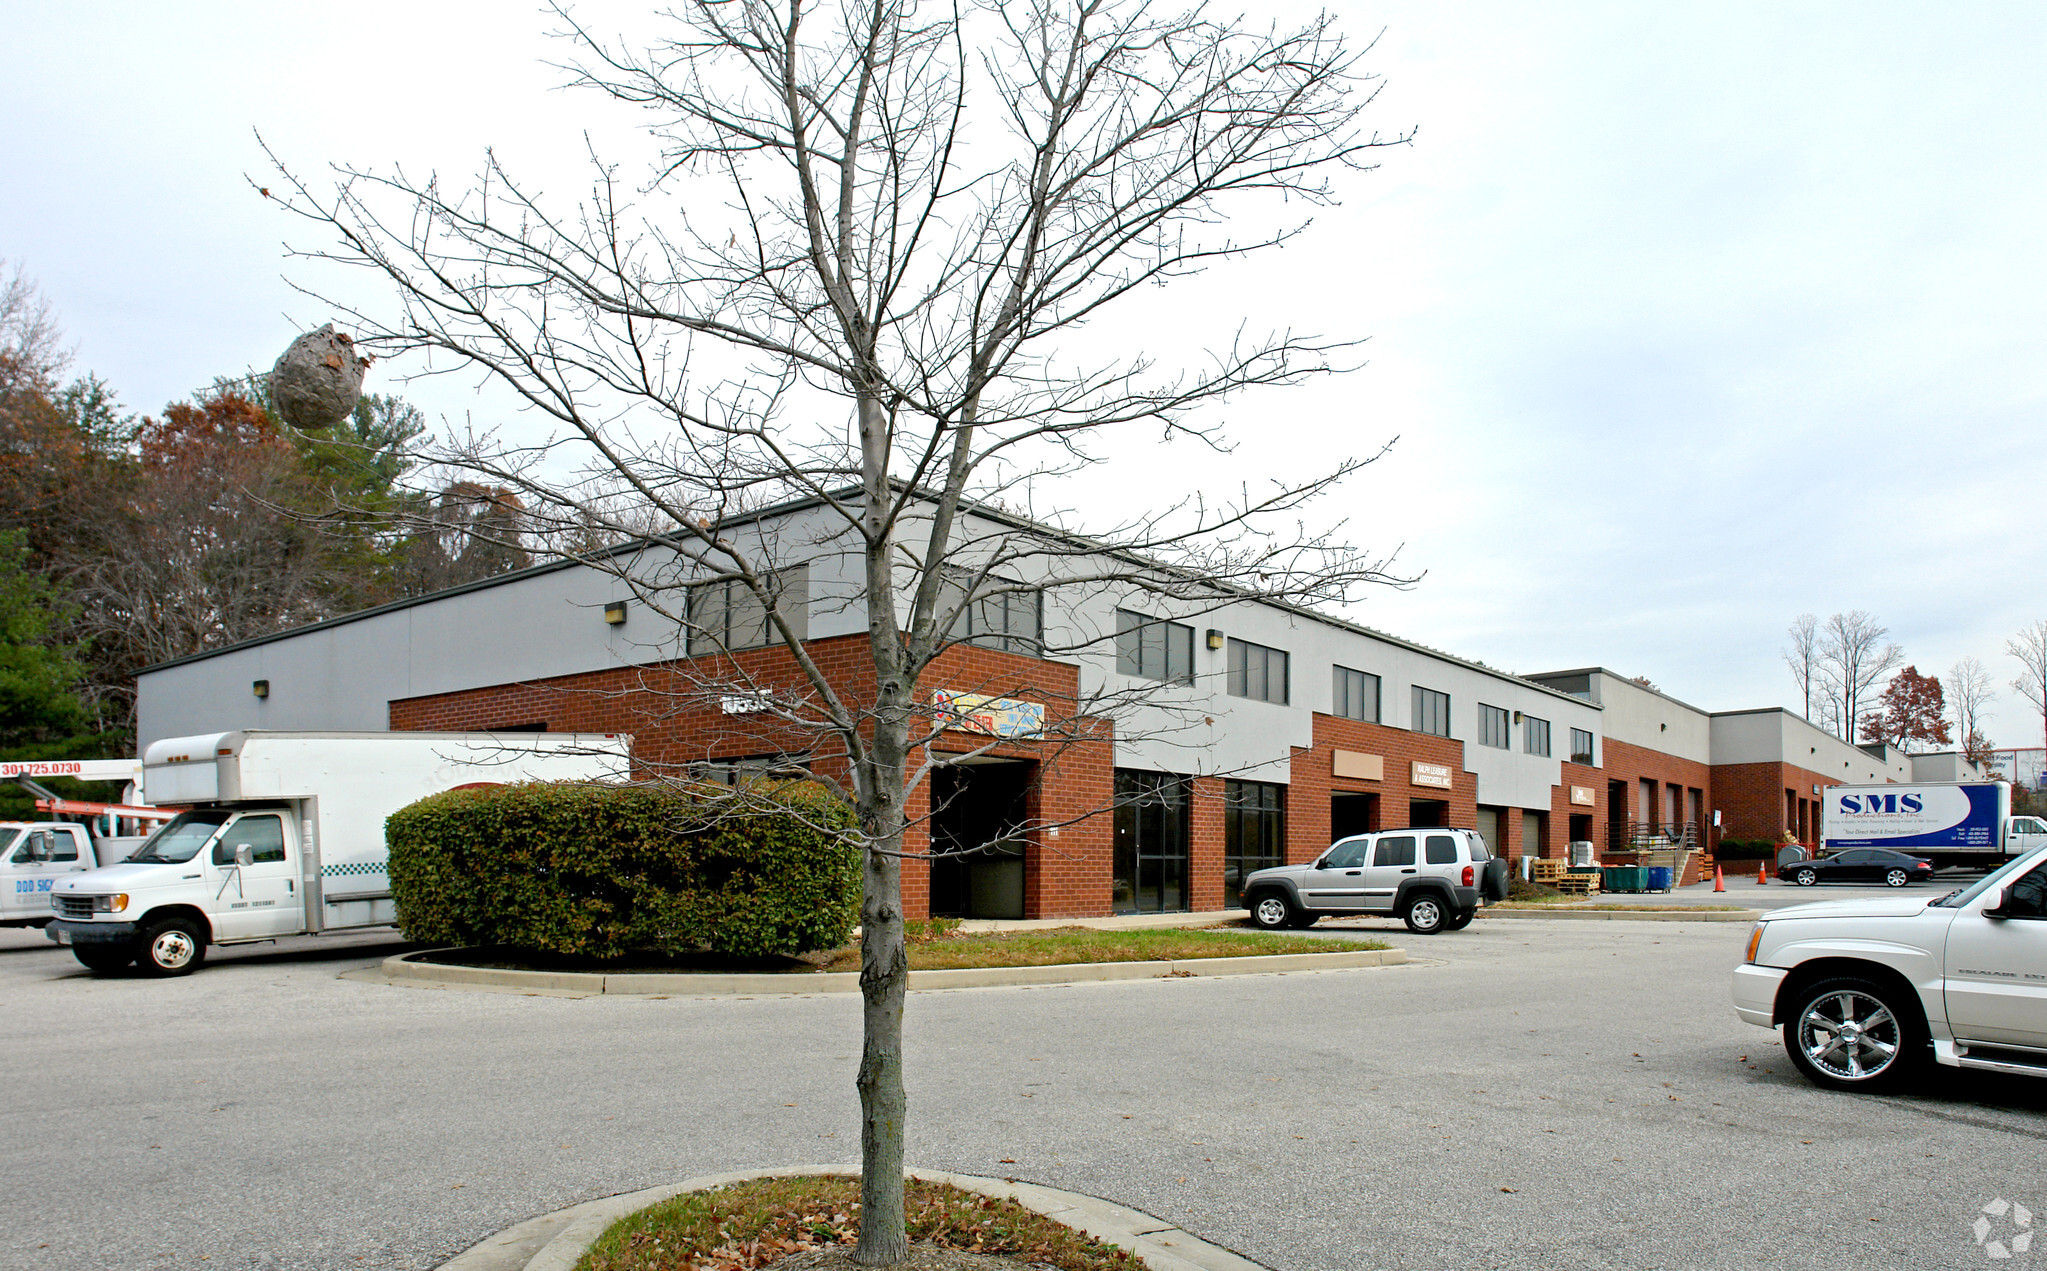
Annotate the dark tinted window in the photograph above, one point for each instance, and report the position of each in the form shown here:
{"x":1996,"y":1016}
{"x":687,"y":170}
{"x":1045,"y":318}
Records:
{"x":1431,"y":712}
{"x":1398,"y":850}
{"x":263,"y":834}
{"x":1355,"y":695}
{"x":1442,"y":850}
{"x":1154,"y":648}
{"x":1348,"y":854}
{"x":1257,"y":672}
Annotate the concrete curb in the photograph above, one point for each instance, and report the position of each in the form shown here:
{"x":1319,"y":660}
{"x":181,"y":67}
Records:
{"x":1630,"y":915}
{"x":404,"y":972}
{"x":553,"y":1242}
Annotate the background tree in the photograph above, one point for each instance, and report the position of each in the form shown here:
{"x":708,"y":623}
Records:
{"x":875,"y":306}
{"x":2029,"y":646}
{"x":1911,"y":713}
{"x":1802,"y":655}
{"x":1968,"y":693}
{"x":1855,"y":656}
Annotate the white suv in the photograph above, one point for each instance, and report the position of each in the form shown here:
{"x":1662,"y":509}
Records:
{"x":1868,"y":990}
{"x":1434,"y":879}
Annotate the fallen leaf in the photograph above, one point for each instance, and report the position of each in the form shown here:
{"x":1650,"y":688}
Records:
{"x":1510,"y":1189}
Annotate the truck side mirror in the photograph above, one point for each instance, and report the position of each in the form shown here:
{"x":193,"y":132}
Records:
{"x":244,"y":854}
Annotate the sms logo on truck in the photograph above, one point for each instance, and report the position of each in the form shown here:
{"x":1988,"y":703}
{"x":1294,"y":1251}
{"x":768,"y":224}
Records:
{"x":1881,"y":804}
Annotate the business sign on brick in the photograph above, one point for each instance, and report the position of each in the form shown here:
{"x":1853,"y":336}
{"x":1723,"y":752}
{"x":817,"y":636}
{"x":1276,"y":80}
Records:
{"x":995,"y":716}
{"x":1432,"y":774}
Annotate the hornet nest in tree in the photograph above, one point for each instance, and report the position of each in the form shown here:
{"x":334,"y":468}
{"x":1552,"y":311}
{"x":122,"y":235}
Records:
{"x":317,"y":380}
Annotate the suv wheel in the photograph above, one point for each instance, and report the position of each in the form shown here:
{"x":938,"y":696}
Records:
{"x":1271,"y":911}
{"x":1806,"y":877}
{"x":1461,"y":919}
{"x":1896,"y":878}
{"x":1427,"y":915}
{"x":1855,"y":1034}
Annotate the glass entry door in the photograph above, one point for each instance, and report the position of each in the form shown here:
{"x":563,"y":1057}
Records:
{"x":1152,"y":833}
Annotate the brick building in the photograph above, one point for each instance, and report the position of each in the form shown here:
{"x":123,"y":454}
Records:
{"x":1102,"y":749}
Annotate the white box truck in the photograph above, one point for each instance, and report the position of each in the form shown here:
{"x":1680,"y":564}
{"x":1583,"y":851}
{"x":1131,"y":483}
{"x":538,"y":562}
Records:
{"x":1951,"y":823}
{"x":284,"y":835}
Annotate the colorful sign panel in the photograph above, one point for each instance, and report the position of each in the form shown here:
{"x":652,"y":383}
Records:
{"x":995,"y":716}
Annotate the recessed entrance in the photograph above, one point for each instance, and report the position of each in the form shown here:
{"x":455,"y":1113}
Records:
{"x":977,"y":862}
{"x":1352,"y":814}
{"x":1422,"y":813}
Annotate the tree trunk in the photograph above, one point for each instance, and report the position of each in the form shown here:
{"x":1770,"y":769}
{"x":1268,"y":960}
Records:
{"x":884,"y":976}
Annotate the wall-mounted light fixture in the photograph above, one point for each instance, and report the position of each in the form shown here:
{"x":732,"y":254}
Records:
{"x":1663,"y":728}
{"x":614,"y":613}
{"x":260,"y":688}
{"x":1517,"y":717}
{"x":1215,"y":638}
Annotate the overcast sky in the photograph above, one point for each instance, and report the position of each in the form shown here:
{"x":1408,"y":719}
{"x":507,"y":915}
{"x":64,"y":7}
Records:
{"x":1688,"y":319}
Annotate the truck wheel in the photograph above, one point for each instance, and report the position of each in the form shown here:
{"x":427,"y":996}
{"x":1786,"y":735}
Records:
{"x":1896,"y":878}
{"x":1426,"y":916}
{"x":1806,"y":877}
{"x":174,"y":946}
{"x":1855,"y":1034}
{"x":1271,"y":911}
{"x":103,"y":957}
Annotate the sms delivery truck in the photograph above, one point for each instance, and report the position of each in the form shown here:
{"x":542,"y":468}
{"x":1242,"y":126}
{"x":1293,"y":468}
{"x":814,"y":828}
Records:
{"x":1958,"y":823}
{"x":283,"y":835}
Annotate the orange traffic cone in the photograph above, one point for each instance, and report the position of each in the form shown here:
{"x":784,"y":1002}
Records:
{"x":1719,"y":882}
{"x":1762,"y":876}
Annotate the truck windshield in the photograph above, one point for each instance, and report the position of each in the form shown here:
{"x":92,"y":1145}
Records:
{"x":181,"y":840}
{"x":7,"y":838}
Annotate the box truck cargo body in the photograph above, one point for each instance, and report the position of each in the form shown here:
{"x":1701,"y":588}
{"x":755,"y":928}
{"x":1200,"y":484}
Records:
{"x":284,"y":834}
{"x":1948,"y":823}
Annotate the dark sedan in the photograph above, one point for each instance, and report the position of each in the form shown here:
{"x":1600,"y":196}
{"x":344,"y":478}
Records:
{"x":1859,"y":865}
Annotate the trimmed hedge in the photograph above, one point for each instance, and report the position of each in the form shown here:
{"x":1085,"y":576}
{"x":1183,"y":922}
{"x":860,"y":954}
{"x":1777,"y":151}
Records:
{"x":608,"y":871}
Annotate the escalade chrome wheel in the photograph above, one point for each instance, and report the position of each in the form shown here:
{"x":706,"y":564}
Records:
{"x":1854,"y":1034}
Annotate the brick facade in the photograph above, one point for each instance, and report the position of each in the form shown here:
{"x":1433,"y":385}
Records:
{"x":1763,"y":800}
{"x":1069,"y":852}
{"x":674,"y":721}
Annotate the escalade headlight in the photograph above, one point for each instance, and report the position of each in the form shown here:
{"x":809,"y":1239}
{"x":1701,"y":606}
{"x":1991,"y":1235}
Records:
{"x":1755,"y":941}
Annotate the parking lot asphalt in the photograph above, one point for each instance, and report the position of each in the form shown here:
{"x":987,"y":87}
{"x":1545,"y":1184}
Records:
{"x":1524,"y":1095}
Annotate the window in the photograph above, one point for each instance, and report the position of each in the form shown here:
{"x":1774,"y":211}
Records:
{"x":1493,"y":726}
{"x":1431,"y":711}
{"x":1154,"y":648}
{"x":1535,"y":735}
{"x":727,"y":615}
{"x":1003,"y":615}
{"x":263,"y":835}
{"x":1257,"y":672}
{"x":1440,"y":849}
{"x":1153,"y":829}
{"x":1348,"y":854}
{"x":1581,"y":747}
{"x":1394,"y":849}
{"x":1355,"y":695}
{"x":1254,"y":833}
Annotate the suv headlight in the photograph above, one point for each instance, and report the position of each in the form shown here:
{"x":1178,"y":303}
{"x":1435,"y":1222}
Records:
{"x":1755,"y":941}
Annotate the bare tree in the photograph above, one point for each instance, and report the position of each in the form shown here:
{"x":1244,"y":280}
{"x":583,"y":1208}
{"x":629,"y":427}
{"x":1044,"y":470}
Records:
{"x":872,"y":306}
{"x":1802,"y":655}
{"x":1856,"y":655}
{"x":32,"y":351}
{"x":2029,"y":646}
{"x":1969,"y":692}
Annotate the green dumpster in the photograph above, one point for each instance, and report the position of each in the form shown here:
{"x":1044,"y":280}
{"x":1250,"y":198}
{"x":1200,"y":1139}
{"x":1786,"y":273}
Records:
{"x":1625,"y":878}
